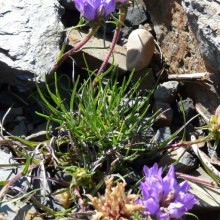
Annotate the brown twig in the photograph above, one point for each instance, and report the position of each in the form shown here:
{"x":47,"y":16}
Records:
{"x":190,"y":77}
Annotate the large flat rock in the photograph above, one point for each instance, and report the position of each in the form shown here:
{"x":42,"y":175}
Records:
{"x":30,"y":34}
{"x":96,"y":50}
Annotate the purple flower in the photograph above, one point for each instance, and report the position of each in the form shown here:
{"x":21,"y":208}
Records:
{"x":94,"y":10}
{"x":164,"y":198}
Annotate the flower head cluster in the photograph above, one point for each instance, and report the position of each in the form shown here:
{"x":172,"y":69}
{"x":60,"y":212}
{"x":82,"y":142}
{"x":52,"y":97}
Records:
{"x":164,"y":198}
{"x":95,"y":10}
{"x":214,"y":124}
{"x":115,"y":204}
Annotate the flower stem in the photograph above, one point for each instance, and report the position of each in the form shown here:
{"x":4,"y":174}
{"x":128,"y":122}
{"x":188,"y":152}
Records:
{"x":197,"y":179}
{"x":186,"y":143}
{"x":122,"y":14}
{"x":73,"y":50}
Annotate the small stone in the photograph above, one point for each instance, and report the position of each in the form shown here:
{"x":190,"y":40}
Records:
{"x":189,"y":108}
{"x":166,"y":115}
{"x":140,"y":49}
{"x":162,"y":134}
{"x":136,"y":15}
{"x":167,"y":91}
{"x":30,"y":127}
{"x":147,"y":80}
{"x":20,"y":118}
{"x":186,"y":163}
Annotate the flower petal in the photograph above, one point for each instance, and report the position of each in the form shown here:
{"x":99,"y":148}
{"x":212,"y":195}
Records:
{"x":95,"y":9}
{"x":169,"y":182}
{"x":89,"y":11}
{"x":109,"y":6}
{"x":152,"y":206}
{"x":162,"y":216}
{"x":176,"y":210}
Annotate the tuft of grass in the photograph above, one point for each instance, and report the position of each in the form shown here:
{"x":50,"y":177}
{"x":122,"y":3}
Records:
{"x":105,"y":129}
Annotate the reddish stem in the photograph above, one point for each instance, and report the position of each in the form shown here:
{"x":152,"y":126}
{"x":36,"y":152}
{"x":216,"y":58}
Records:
{"x":73,"y":50}
{"x":196,"y":179}
{"x":114,"y":42}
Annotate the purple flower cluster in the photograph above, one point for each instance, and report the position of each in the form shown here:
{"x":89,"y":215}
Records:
{"x":94,"y":10}
{"x":164,"y":198}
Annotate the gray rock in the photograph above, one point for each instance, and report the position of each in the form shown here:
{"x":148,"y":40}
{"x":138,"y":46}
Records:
{"x":204,"y":20}
{"x":162,"y":134}
{"x":29,"y":40}
{"x":166,"y":116}
{"x":147,"y":80}
{"x":125,"y":31}
{"x":140,"y":49}
{"x":167,"y":91}
{"x":136,"y":15}
{"x":186,"y":163}
{"x":188,"y":106}
{"x":94,"y":56}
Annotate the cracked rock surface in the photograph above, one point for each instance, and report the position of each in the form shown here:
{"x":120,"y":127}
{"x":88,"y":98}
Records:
{"x":29,"y":39}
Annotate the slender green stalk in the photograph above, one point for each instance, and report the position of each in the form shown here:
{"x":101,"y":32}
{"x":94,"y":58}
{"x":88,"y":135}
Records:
{"x":122,"y":14}
{"x":48,"y":210}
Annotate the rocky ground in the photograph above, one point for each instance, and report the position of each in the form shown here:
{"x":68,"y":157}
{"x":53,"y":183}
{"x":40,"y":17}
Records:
{"x":172,"y":51}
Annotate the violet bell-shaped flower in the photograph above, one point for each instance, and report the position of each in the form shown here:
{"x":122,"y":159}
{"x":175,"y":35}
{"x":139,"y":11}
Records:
{"x":164,"y":198}
{"x":95,"y":10}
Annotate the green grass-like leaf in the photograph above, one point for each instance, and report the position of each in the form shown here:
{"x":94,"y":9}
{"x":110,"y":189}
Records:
{"x":111,"y":115}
